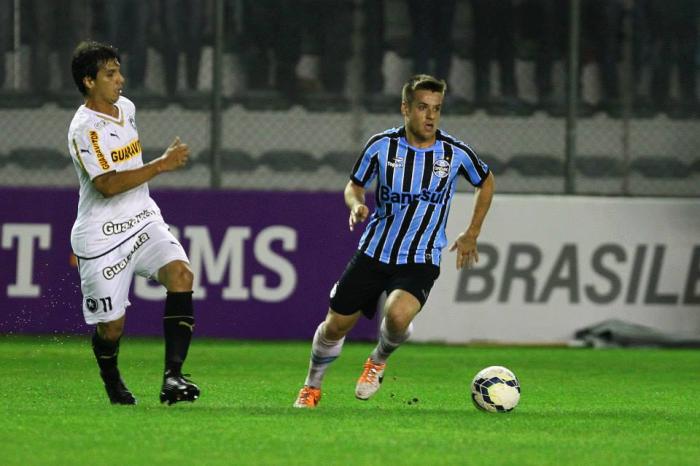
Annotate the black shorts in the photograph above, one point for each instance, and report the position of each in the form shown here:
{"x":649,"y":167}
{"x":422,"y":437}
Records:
{"x":365,"y":278}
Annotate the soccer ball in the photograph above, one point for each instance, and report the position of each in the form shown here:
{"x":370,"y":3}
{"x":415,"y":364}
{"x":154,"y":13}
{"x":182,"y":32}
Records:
{"x":496,"y":390}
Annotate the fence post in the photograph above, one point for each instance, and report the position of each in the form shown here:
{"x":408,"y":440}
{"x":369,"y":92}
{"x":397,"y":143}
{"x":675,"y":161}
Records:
{"x":572,"y":98}
{"x":216,"y":96}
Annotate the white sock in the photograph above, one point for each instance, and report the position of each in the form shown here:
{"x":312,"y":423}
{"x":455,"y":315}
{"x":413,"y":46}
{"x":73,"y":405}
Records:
{"x":323,"y":352}
{"x":388,"y":342}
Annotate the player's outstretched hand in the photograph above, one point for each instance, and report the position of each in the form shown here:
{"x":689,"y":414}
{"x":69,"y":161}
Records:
{"x":465,"y":244}
{"x":175,"y":155}
{"x":358,"y":214}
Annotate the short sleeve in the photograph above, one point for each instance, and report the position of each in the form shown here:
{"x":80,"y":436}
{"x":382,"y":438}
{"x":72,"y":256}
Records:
{"x":365,"y":169}
{"x":472,"y":167}
{"x":87,"y":145}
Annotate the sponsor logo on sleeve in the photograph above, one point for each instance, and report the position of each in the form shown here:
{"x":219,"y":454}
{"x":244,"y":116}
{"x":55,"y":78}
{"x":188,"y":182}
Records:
{"x":95,"y":141}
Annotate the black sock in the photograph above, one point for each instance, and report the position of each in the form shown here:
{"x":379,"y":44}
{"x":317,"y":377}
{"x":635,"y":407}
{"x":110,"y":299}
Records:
{"x":106,"y":353}
{"x":178,"y":324}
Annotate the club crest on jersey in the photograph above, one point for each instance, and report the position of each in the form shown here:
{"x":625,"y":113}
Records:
{"x":441,"y":168}
{"x":91,"y":304}
{"x":132,"y":121}
{"x":396,"y":163}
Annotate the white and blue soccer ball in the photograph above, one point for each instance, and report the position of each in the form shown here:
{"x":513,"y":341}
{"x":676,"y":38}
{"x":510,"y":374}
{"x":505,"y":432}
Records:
{"x":495,"y":389}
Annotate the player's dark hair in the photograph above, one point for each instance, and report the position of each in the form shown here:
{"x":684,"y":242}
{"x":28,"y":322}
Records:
{"x":422,"y":82}
{"x":88,"y":57}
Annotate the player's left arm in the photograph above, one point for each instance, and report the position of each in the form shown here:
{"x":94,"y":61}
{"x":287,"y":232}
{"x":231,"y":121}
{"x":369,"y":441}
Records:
{"x":465,"y":244}
{"x":113,"y":182}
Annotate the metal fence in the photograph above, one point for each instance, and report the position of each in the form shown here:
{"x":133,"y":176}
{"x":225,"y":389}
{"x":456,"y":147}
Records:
{"x":577,"y":97}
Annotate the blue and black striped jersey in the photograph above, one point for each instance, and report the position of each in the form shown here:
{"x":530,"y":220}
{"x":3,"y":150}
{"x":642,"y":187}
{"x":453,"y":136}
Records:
{"x":413,"y":194}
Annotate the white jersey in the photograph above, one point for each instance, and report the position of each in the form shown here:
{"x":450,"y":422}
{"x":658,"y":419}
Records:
{"x":99,"y":144}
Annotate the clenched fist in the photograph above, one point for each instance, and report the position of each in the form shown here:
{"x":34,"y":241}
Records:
{"x":175,"y":156}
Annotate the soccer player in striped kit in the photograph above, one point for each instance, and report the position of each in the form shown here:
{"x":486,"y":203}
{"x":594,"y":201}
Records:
{"x":416,"y":168}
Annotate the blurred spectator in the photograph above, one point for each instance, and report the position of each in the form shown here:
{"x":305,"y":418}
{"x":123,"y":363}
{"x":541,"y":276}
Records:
{"x":46,"y":22}
{"x":550,"y":36}
{"x":642,"y":51}
{"x":183,"y":26}
{"x":431,"y":45}
{"x":494,"y":38}
{"x":373,"y":45}
{"x":125,"y":24}
{"x":373,"y":48}
{"x":600,"y":32}
{"x":667,"y":36}
{"x":272,"y":35}
{"x":5,"y":36}
{"x":328,"y":25}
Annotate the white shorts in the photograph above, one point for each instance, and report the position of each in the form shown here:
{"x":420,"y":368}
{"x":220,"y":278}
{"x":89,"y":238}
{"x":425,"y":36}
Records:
{"x":105,"y":280}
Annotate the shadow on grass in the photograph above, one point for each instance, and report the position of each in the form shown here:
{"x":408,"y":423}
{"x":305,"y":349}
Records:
{"x":418,"y":412}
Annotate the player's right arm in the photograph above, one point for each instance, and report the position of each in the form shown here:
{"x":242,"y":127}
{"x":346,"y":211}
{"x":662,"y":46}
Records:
{"x":364,"y":171}
{"x":355,"y":200}
{"x":114,"y":182}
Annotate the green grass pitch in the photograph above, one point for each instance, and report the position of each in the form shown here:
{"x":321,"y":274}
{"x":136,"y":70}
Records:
{"x":578,"y":406}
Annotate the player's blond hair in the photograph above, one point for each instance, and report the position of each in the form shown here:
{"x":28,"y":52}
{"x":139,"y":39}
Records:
{"x":422,"y":82}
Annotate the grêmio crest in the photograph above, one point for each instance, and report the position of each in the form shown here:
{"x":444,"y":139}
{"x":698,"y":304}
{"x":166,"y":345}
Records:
{"x":441,"y":168}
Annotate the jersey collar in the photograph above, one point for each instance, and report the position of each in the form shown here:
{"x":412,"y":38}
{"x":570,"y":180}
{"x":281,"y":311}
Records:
{"x":118,"y":121}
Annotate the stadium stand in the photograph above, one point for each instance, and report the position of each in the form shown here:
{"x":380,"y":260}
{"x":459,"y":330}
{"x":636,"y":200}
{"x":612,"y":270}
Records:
{"x":597,"y":166}
{"x":233,"y":160}
{"x":20,"y":99}
{"x":694,"y":166}
{"x":496,"y":165}
{"x":537,"y":165}
{"x":263,"y":100}
{"x":339,"y":161}
{"x":38,"y":157}
{"x":194,"y":100}
{"x":325,"y":102}
{"x":289,"y":160}
{"x":660,"y":167}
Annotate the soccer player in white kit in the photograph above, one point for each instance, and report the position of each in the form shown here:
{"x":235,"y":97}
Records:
{"x":119,"y":230}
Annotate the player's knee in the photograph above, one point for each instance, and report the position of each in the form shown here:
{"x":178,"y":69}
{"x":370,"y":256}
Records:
{"x":185,"y":276}
{"x":335,"y":329}
{"x":110,"y":331}
{"x":179,"y":277}
{"x":398,"y":318}
{"x":398,"y":323}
